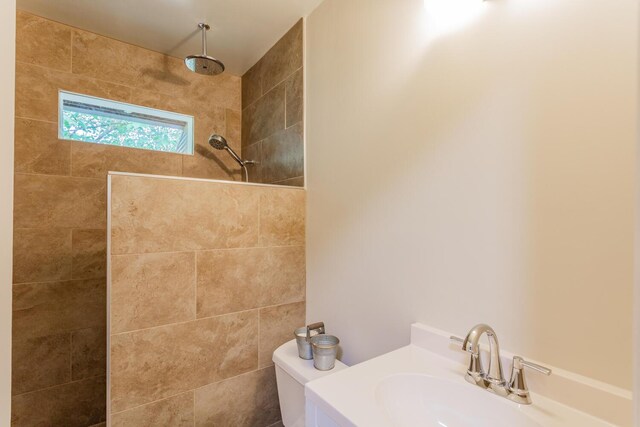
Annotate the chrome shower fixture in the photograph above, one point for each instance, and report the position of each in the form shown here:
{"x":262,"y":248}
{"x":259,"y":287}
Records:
{"x":204,"y":64}
{"x":220,"y":143}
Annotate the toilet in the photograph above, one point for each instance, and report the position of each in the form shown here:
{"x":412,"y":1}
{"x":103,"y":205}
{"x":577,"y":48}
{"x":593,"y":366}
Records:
{"x":292,"y":373}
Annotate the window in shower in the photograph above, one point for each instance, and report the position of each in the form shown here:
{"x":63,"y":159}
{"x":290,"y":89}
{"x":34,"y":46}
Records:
{"x":102,"y":121}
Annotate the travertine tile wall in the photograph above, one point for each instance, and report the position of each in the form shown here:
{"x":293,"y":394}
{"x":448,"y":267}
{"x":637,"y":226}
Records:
{"x":272,"y":112}
{"x":59,"y":330}
{"x":207,"y":280}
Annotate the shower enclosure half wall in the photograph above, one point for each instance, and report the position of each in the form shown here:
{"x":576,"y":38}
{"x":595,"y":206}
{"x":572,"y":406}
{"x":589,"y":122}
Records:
{"x":205,"y":280}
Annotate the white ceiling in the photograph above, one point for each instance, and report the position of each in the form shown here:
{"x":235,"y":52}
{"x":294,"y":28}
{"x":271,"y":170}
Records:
{"x":241,"y":30}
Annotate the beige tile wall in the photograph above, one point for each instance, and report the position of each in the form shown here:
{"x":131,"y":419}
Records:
{"x":60,"y":212}
{"x":207,"y":279}
{"x":272,"y":112}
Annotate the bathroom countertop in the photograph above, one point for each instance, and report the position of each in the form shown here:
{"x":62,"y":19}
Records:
{"x":349,"y":397}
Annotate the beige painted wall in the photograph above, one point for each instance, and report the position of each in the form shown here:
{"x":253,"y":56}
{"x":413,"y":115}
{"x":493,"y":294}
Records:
{"x":7,"y":90}
{"x":484,"y":174}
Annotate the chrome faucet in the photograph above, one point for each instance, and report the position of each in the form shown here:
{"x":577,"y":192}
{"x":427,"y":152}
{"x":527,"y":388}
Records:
{"x":493,"y":380}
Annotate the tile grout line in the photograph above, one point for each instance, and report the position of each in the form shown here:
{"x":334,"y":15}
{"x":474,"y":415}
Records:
{"x":62,"y":228}
{"x":302,"y":244}
{"x":49,"y":282}
{"x":257,"y":369}
{"x":254,"y":144}
{"x":71,"y":263}
{"x":71,"y":42}
{"x":260,"y":239}
{"x":60,"y":385}
{"x":154,"y":401}
{"x":58,"y":176}
{"x":184,"y":322}
{"x":71,"y":355}
{"x":271,"y":135}
{"x":195,"y":285}
{"x":275,"y":85}
{"x":274,"y":133}
{"x":193,"y":390}
{"x":44,"y":282}
{"x":71,"y":279}
{"x":67,"y":332}
{"x":33,"y":119}
{"x":296,"y":124}
{"x":162,"y":253}
{"x":288,"y":179}
{"x":284,"y":101}
{"x":271,"y":89}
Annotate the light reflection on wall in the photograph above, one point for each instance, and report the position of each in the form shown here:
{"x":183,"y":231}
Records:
{"x":447,"y":16}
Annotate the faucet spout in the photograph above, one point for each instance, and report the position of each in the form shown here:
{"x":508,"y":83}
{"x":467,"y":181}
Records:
{"x":493,"y":380}
{"x":494,"y":376}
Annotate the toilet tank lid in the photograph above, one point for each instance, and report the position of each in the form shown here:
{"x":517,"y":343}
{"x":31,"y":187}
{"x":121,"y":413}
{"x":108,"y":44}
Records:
{"x":286,"y":357}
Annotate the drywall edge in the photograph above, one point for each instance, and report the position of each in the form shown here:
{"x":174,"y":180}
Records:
{"x":7,"y":96}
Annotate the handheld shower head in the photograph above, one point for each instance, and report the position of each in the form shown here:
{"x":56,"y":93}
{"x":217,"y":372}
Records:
{"x":220,"y":143}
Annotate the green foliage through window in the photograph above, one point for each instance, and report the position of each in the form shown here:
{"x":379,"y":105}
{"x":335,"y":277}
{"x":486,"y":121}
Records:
{"x":112,"y":123}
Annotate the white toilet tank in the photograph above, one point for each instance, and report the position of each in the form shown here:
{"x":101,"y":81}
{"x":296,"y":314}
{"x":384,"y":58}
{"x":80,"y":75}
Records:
{"x":292,"y":373}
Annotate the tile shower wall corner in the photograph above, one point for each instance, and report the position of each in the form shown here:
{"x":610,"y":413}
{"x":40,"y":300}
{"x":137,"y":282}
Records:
{"x":272,"y":112}
{"x":207,"y":279}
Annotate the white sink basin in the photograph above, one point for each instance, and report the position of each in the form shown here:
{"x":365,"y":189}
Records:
{"x":410,"y":400}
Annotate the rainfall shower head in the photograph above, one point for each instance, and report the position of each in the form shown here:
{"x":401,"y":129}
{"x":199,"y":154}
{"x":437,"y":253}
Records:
{"x":204,"y":64}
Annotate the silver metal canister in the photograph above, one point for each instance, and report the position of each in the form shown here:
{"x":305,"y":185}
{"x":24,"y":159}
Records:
{"x":325,"y":351}
{"x":303,"y":339}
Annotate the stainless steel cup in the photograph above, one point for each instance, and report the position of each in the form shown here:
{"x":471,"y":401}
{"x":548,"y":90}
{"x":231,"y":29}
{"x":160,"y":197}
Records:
{"x":325,"y":351}
{"x":303,"y":339}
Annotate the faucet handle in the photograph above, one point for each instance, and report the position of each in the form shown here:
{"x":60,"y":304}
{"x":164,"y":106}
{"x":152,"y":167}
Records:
{"x":517,"y":360}
{"x":456,"y":339}
{"x":518,"y":390}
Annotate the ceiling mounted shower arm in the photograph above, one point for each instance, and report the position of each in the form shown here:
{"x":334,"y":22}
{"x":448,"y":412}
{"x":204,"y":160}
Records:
{"x":204,"y":27}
